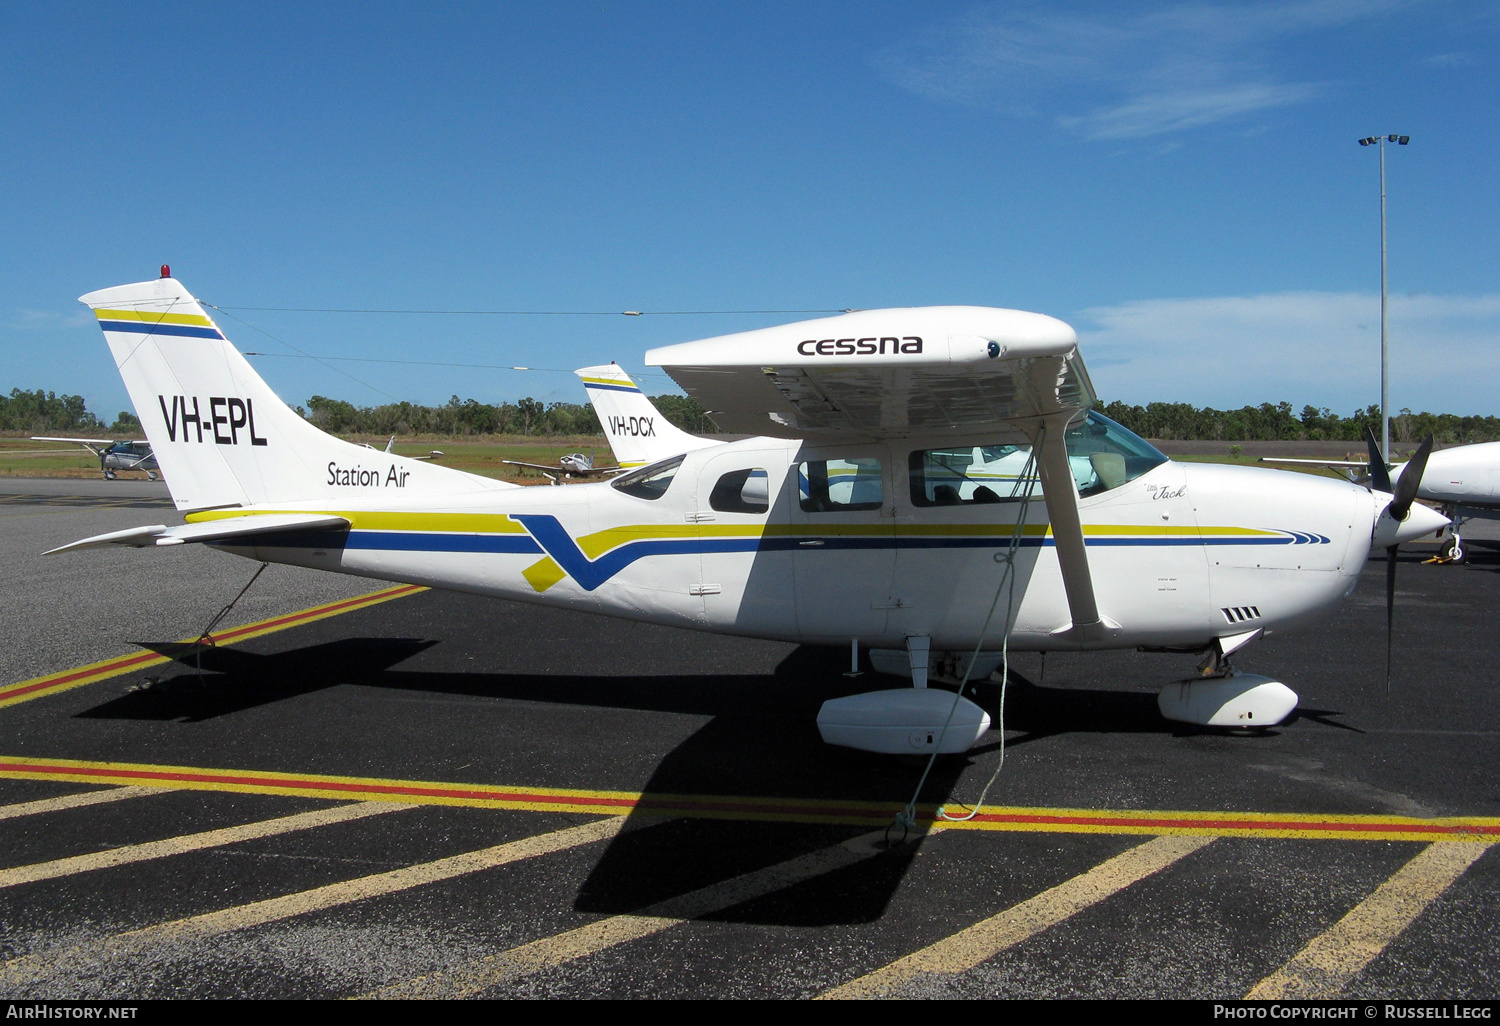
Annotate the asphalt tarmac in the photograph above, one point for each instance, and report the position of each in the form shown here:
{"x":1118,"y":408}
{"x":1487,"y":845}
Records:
{"x":438,"y":795}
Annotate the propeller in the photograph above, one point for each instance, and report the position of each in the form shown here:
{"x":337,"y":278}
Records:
{"x":1402,"y":496}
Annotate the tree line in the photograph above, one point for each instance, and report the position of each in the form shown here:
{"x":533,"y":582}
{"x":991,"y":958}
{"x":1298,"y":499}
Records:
{"x":470,"y":417}
{"x":41,"y":412}
{"x":47,"y":413}
{"x":1276,"y":422}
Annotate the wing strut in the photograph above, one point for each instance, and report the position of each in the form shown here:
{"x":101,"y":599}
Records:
{"x":1061,"y":495}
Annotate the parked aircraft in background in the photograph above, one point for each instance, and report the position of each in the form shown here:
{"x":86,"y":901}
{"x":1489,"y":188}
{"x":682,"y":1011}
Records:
{"x":929,"y":484}
{"x":573,"y":465}
{"x":1463,"y":481}
{"x":390,"y":446}
{"x":114,"y":455}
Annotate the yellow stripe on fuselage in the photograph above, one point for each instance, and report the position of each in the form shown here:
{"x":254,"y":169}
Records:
{"x":387,"y":520}
{"x":600,"y":542}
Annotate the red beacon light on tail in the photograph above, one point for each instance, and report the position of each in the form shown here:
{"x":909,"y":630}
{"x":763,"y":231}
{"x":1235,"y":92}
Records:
{"x":166,"y":272}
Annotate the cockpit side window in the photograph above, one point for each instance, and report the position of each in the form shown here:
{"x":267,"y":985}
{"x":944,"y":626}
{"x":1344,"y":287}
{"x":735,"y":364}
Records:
{"x":649,"y":482}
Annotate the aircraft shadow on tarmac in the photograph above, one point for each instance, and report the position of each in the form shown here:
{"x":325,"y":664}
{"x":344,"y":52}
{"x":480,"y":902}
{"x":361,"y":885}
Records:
{"x":761,"y":741}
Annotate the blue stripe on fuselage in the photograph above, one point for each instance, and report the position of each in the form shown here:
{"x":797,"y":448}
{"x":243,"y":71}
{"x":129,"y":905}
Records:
{"x":547,"y":536}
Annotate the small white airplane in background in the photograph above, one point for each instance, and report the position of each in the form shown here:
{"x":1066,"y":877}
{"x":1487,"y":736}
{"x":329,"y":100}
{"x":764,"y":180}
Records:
{"x":390,"y":446}
{"x":882,"y":499}
{"x":572,"y":465}
{"x":1463,"y":481}
{"x":114,"y":455}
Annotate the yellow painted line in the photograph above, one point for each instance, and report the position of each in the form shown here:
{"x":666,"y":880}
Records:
{"x":475,"y":977}
{"x":968,"y":948}
{"x":53,"y":683}
{"x":1304,"y":826}
{"x":131,"y":853}
{"x":30,"y":970}
{"x":78,"y":801}
{"x":1300,"y":826}
{"x":1333,"y":958}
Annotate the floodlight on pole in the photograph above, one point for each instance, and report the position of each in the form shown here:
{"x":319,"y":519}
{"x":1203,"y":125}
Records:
{"x":1385,"y":420}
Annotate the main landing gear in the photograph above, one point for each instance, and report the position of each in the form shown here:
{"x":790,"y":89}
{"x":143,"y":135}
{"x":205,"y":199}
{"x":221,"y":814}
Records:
{"x":907,"y":721}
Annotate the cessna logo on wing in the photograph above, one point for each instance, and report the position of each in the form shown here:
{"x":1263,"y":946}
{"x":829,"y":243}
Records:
{"x":636,"y":427}
{"x":873,"y":346}
{"x":221,"y":423}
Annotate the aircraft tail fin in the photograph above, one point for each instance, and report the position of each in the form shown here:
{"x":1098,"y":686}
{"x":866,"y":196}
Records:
{"x":220,"y":435}
{"x":637,"y":431}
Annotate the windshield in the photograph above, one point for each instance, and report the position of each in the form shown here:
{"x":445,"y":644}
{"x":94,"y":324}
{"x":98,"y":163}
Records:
{"x":1105,"y":455}
{"x":649,"y":482}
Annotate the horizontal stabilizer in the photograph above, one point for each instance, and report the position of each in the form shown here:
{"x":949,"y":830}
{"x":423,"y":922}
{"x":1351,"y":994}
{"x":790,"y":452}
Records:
{"x":233,"y":528}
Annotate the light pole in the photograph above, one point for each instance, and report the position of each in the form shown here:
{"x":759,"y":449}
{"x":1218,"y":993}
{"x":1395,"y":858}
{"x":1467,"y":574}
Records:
{"x":1385,"y":421}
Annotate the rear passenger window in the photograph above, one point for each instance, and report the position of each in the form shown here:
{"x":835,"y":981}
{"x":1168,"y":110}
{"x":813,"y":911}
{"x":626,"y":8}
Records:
{"x":742,"y":491}
{"x":831,"y":486}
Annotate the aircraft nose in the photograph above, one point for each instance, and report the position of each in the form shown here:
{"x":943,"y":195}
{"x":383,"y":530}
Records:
{"x":1420,"y":520}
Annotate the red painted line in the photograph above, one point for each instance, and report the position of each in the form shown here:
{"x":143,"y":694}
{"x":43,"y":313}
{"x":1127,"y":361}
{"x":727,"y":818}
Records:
{"x":124,"y":662}
{"x":317,"y":785}
{"x":119,"y":665}
{"x":606,"y":803}
{"x":305,"y":614}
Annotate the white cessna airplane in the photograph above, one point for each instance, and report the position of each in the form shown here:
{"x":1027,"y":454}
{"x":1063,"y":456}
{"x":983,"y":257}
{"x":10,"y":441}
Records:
{"x":879,"y":503}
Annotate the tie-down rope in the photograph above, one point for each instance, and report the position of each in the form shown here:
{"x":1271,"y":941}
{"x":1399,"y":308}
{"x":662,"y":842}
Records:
{"x":906,"y":819}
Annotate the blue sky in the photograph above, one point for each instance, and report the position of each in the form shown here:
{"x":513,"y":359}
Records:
{"x":1181,"y":182}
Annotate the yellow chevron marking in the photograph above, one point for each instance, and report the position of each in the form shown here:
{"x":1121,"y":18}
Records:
{"x":79,"y":801}
{"x":472,"y":978}
{"x":543,"y":574}
{"x":967,"y":948}
{"x":28,"y":971}
{"x":1321,"y":970}
{"x":132,"y":853}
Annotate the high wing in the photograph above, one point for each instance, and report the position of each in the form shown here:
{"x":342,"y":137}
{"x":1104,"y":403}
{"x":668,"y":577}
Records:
{"x":96,"y":445}
{"x":1316,"y":463}
{"x":1354,"y":470}
{"x":232,"y":529}
{"x":884,"y":373}
{"x":879,"y":374}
